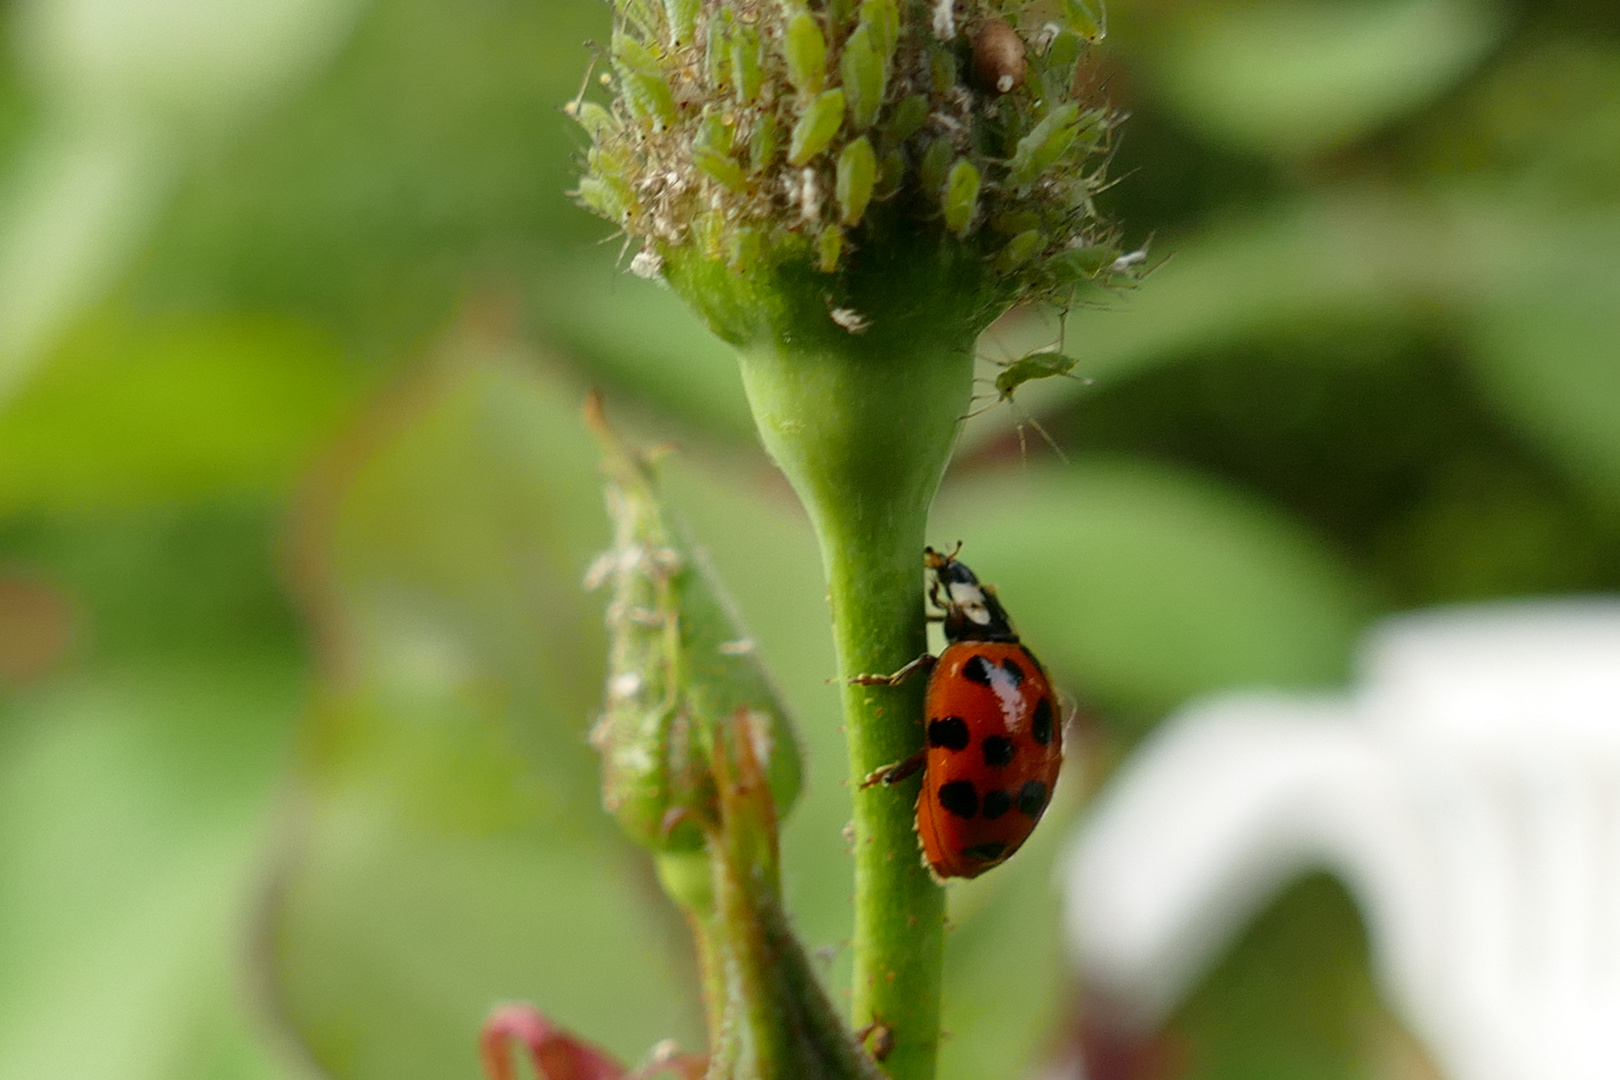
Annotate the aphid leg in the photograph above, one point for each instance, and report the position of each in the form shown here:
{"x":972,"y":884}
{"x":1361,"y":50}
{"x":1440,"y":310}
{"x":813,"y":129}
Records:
{"x":925,"y":662}
{"x":889,"y":775}
{"x":1056,"y":449}
{"x":997,"y":400}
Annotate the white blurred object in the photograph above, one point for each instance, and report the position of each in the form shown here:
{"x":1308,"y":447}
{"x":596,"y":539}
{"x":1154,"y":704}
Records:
{"x":129,"y":89}
{"x":1468,"y":796}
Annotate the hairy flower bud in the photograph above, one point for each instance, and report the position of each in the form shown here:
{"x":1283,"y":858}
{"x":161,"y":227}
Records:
{"x":851,"y":127}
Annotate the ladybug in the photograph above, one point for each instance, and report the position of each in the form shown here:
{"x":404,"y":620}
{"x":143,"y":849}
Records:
{"x":994,"y":741}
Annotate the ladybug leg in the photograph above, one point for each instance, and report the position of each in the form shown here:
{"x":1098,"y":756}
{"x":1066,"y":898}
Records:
{"x":925,"y":662}
{"x":888,"y":775}
{"x":881,"y":1036}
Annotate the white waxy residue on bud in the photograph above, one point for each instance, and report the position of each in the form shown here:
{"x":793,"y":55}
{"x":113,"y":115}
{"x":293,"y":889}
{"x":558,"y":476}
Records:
{"x":648,"y":265}
{"x":945,"y":19}
{"x":850,"y":320}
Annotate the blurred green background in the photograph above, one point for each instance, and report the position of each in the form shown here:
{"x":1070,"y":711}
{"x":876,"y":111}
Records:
{"x":294,"y":662}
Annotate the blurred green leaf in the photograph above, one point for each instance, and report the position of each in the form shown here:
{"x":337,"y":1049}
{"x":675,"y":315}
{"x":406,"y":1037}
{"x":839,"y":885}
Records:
{"x":1545,"y":340}
{"x":1147,"y":586}
{"x":1291,"y":79}
{"x":644,"y":338}
{"x":131,"y":810}
{"x":453,"y":853}
{"x":136,"y":412}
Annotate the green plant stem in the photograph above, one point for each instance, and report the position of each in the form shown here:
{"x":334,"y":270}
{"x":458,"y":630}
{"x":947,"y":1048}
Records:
{"x":863,"y":428}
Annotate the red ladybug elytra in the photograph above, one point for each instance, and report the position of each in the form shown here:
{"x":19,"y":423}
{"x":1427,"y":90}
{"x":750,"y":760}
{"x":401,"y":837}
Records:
{"x":995,"y":743}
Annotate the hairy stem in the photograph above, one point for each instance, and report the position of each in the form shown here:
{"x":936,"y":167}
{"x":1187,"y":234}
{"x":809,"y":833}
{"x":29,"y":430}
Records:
{"x":863,"y":428}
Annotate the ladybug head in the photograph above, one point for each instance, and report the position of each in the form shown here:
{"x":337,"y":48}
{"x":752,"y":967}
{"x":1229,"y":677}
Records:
{"x":972,"y":612}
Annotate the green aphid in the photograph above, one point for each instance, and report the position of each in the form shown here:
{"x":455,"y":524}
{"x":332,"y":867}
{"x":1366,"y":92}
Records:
{"x":1013,"y":222}
{"x":936,"y":163}
{"x":646,"y":92}
{"x":1081,"y":264}
{"x":641,"y":14}
{"x":1020,"y":249}
{"x":717,"y":51}
{"x":606,"y":198}
{"x":1058,"y":65}
{"x":723,"y":168}
{"x":883,"y":16}
{"x":747,"y":64}
{"x":891,"y":174}
{"x":866,"y":77}
{"x":829,"y":249}
{"x":961,"y":196}
{"x":857,"y":178}
{"x":711,"y":152}
{"x":683,"y":18}
{"x":1044,"y":146}
{"x":816,"y":128}
{"x":596,"y":119}
{"x":806,"y":50}
{"x":763,"y":144}
{"x":714,"y":133}
{"x":605,"y":187}
{"x":942,"y":69}
{"x":1045,"y":364}
{"x":1079,"y":17}
{"x":908,"y":118}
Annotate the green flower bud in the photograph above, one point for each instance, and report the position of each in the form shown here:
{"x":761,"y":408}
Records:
{"x":800,"y":85}
{"x":680,"y":666}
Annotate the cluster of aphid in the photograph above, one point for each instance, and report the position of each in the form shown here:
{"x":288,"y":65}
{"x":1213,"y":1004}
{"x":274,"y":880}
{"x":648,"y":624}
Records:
{"x":763,"y":130}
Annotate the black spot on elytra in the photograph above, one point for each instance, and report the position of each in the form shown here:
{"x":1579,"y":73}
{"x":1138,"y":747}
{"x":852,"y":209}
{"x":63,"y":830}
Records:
{"x":1014,"y":672}
{"x":977,"y":669}
{"x":960,"y":798}
{"x":986,"y":852}
{"x":996,"y":803}
{"x":949,"y":732}
{"x":998,"y":750}
{"x":1032,"y":799}
{"x":1042,"y":726}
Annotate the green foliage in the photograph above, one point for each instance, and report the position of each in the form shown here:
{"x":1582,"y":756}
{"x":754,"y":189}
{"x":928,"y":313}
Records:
{"x":1376,"y":372}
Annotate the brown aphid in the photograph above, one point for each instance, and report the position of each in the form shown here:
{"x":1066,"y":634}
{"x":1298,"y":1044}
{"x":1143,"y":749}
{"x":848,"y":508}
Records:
{"x":998,"y":58}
